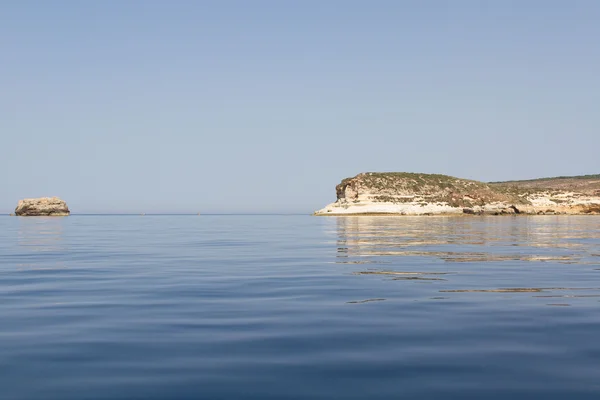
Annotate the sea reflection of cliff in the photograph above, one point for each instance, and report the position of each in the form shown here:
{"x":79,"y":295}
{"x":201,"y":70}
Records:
{"x":41,"y":233}
{"x":466,"y":239}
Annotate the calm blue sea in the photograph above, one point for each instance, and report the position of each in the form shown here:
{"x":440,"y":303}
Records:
{"x":299,"y":307}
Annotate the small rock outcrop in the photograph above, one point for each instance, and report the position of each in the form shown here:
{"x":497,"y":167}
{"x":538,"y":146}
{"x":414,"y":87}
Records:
{"x":403,"y":193}
{"x":44,"y":206}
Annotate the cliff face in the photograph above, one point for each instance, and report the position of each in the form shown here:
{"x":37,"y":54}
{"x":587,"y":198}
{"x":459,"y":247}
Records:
{"x":426,"y":194}
{"x":45,"y":206}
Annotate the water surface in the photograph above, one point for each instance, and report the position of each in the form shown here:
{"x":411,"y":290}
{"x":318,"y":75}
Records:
{"x":299,"y":307}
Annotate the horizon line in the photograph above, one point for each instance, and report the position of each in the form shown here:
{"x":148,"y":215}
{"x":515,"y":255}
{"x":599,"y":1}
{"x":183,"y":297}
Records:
{"x":182,"y":214}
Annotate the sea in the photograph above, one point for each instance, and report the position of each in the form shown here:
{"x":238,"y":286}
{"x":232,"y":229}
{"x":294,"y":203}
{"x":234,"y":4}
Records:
{"x":299,"y":307}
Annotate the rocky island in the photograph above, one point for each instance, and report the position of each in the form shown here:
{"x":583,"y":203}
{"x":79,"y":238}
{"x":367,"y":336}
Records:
{"x":404,"y":193}
{"x":44,"y":206}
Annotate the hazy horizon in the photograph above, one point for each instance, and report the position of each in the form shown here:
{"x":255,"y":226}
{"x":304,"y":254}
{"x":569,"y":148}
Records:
{"x":263,"y":107}
{"x":191,"y":212}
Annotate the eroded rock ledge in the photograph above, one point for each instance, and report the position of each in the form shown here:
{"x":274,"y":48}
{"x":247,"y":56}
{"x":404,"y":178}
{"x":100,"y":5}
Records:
{"x":432,"y":194}
{"x":44,"y":206}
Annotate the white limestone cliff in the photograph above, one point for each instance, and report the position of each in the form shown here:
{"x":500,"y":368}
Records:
{"x":432,"y":194}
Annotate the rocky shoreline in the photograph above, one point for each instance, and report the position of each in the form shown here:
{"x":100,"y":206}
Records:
{"x":399,"y":193}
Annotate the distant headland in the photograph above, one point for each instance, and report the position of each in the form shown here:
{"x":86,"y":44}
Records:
{"x":403,"y":193}
{"x":43,"y":206}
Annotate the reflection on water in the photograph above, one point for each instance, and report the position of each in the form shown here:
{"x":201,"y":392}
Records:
{"x":40,"y":238}
{"x":434,"y":236}
{"x":41,"y":233}
{"x":506,"y":250}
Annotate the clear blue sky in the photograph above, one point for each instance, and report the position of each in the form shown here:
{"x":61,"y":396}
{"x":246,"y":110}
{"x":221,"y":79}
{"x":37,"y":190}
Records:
{"x":264,"y":106}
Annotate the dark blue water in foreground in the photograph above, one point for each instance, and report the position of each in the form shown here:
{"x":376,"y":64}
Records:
{"x":299,"y":307}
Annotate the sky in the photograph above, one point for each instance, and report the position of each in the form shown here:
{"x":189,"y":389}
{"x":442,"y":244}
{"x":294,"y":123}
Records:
{"x":264,"y":106}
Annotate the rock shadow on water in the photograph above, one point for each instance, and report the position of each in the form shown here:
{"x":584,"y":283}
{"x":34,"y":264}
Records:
{"x":499,"y":290}
{"x":416,"y":278}
{"x":535,"y":290}
{"x":364,"y":301}
{"x":361,"y":262}
{"x":398,"y":273}
{"x":570,"y":296}
{"x":513,"y":290}
{"x":406,"y":275}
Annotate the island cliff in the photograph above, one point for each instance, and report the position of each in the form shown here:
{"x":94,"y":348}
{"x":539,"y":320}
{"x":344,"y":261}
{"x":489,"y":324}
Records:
{"x":432,"y":194}
{"x":44,"y":206}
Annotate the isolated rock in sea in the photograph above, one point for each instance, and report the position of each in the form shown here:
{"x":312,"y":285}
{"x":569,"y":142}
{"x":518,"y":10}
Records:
{"x":433,"y":194}
{"x":44,"y":206}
